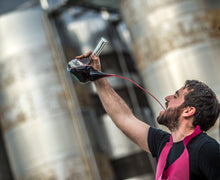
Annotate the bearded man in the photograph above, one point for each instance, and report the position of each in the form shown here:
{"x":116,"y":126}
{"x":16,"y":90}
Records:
{"x":188,"y":152}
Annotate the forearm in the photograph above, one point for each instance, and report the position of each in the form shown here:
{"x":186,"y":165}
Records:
{"x":121,"y":114}
{"x":112,"y":102}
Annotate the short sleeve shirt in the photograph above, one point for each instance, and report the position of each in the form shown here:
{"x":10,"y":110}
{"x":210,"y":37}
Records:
{"x":204,"y":153}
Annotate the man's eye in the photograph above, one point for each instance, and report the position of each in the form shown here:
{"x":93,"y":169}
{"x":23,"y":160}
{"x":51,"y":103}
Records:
{"x":175,"y":97}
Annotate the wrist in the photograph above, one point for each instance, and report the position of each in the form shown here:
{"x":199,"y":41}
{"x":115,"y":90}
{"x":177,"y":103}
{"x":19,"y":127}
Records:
{"x":102,"y":84}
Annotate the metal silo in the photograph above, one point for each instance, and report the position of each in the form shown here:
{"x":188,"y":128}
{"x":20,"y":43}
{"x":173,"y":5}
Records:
{"x":79,"y":30}
{"x":174,"y":41}
{"x":39,"y":118}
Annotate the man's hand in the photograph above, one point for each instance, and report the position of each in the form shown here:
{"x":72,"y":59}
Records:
{"x":95,"y":61}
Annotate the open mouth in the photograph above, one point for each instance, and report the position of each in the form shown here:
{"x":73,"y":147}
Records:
{"x":162,"y":112}
{"x":166,"y":105}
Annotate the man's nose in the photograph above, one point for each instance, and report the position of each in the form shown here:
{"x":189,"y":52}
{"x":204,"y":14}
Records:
{"x":167,"y":98}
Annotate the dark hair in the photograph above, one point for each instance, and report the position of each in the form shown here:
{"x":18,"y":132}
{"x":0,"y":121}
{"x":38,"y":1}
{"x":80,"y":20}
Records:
{"x":205,"y":101}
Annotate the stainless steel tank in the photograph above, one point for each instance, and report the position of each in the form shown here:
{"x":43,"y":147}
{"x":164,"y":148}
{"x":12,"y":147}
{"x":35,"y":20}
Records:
{"x":120,"y":145}
{"x":174,"y":41}
{"x":79,"y":29}
{"x":39,"y":120}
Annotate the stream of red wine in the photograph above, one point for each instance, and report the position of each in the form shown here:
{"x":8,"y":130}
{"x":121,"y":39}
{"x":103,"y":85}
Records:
{"x":115,"y":75}
{"x":85,"y":73}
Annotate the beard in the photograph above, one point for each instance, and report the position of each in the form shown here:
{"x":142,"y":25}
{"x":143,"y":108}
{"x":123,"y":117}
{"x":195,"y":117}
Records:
{"x":170,"y":118}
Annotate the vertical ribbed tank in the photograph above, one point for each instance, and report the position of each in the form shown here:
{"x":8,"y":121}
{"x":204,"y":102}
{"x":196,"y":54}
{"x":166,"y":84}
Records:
{"x":174,"y":41}
{"x":38,"y":119}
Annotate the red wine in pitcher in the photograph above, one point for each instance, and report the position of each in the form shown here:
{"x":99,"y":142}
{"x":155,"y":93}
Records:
{"x":85,"y":74}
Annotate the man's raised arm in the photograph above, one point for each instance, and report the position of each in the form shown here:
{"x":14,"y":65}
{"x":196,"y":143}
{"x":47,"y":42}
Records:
{"x":118,"y":110}
{"x":122,"y":115}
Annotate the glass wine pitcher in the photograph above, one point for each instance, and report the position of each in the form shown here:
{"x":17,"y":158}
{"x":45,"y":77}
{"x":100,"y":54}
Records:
{"x":85,"y":61}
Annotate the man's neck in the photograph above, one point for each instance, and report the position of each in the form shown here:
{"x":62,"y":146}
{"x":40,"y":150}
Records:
{"x":181,"y":132}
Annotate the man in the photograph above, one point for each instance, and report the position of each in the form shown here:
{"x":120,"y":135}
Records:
{"x":186,"y":153}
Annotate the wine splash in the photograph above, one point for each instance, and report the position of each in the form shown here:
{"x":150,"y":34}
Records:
{"x":87,"y":73}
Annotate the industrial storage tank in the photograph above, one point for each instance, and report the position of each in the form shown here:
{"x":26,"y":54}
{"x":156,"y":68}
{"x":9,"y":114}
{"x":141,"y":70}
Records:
{"x":174,"y":41}
{"x":79,"y":30}
{"x":39,"y":118}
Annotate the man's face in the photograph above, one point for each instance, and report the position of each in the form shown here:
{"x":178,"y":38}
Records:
{"x":170,"y":117}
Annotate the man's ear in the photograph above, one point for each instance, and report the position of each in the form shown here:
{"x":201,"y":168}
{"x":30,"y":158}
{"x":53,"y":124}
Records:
{"x":188,"y":111}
